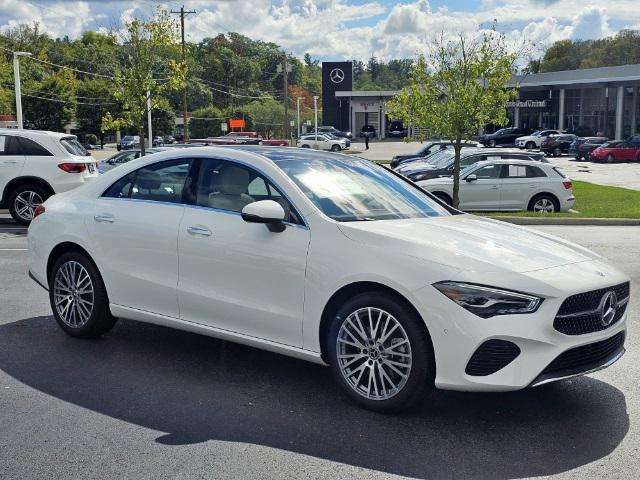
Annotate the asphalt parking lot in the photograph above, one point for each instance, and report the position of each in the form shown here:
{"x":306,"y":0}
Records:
{"x":151,"y":402}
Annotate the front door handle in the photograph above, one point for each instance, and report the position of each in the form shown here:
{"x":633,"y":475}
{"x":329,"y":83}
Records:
{"x":495,"y":187}
{"x":199,"y":230}
{"x":104,"y":218}
{"x":10,"y":162}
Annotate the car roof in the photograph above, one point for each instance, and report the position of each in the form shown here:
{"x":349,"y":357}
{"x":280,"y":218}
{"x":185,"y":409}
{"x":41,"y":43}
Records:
{"x":512,"y":161}
{"x":34,"y":133}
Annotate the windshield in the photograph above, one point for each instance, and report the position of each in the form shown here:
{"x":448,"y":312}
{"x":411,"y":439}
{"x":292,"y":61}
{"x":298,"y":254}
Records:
{"x":349,"y":190}
{"x":536,"y":133}
{"x":441,"y":159}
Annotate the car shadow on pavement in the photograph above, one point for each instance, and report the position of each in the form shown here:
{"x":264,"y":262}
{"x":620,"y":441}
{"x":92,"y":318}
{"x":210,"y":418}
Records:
{"x":196,"y":388}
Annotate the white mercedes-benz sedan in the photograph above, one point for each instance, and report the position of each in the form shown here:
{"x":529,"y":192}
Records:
{"x":332,"y":259}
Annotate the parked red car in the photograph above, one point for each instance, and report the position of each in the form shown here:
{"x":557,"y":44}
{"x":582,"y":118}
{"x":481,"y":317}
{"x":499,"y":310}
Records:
{"x":619,"y":151}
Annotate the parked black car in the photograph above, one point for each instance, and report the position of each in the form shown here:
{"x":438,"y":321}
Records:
{"x":556,"y":145}
{"x":440,"y":164}
{"x":334,"y":131}
{"x":585,"y":146}
{"x":368,"y":131}
{"x":396,"y":129}
{"x":504,"y":136}
{"x":426,"y":149}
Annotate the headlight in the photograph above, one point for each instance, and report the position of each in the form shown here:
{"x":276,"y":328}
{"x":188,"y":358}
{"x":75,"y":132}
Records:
{"x":488,"y":302}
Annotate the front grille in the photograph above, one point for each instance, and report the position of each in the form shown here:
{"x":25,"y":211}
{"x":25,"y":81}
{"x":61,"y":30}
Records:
{"x":584,"y":358}
{"x":491,"y":356}
{"x":579,"y":314}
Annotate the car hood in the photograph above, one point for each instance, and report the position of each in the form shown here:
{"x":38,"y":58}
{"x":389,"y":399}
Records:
{"x":526,"y":137}
{"x":467,"y":242}
{"x":417,"y":166}
{"x":448,"y":180}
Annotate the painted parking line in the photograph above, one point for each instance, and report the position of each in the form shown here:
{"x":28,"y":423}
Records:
{"x":13,"y":249}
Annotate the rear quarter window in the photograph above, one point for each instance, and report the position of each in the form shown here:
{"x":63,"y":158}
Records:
{"x":73,"y":146}
{"x":32,"y":148}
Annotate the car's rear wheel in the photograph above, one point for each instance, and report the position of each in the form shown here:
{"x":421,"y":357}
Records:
{"x":78,"y":297}
{"x":530,"y":145}
{"x":335,"y":148}
{"x":610,"y":158}
{"x":380,"y":352}
{"x":23,"y":202}
{"x":557,"y":152}
{"x":544,"y":203}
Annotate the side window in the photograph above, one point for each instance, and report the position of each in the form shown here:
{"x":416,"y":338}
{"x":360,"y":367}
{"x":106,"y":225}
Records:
{"x":9,"y":145}
{"x":488,"y":172}
{"x":229,"y":186}
{"x":31,"y":148}
{"x":161,"y":182}
{"x":466,"y":161}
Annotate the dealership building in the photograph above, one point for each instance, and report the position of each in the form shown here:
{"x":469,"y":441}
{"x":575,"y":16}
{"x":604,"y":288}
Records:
{"x":587,"y":102}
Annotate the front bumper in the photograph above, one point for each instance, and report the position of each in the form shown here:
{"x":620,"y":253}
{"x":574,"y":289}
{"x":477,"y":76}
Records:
{"x":458,"y":334}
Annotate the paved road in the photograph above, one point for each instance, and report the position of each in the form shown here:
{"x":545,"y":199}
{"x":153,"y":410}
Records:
{"x":150,"y":402}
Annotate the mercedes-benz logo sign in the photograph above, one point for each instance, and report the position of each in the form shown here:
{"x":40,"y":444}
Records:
{"x":608,"y":306}
{"x":336,"y":75}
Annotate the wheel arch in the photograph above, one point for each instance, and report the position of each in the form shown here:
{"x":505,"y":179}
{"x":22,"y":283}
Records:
{"x":444,"y":194}
{"x":25,"y":180}
{"x":350,"y":290}
{"x":547,"y":193}
{"x":62,"y":248}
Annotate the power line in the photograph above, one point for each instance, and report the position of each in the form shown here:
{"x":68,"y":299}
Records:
{"x":65,"y":101}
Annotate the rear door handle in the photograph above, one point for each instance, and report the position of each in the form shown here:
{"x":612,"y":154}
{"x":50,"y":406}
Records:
{"x":104,"y":217}
{"x":199,"y":230}
{"x":495,"y":187}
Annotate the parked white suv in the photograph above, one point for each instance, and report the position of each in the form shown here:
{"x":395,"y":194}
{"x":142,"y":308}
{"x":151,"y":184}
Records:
{"x":324,"y":142}
{"x":36,"y":164}
{"x":535,"y":139}
{"x":509,"y":185}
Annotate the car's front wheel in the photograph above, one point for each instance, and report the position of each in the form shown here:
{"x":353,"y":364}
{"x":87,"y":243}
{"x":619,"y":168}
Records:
{"x":23,"y":202}
{"x":335,"y":148}
{"x":492,"y":143}
{"x":78,"y":297}
{"x":380,"y":352}
{"x":610,"y":158}
{"x":557,"y":152}
{"x":530,"y":146}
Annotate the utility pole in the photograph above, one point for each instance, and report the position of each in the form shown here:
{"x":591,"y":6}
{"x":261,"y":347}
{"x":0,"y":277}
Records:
{"x":16,"y":79}
{"x":285,"y":68}
{"x":185,"y":128}
{"x":149,"y":119}
{"x":315,"y":115}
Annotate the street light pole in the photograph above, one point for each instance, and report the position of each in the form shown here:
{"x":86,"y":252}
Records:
{"x":298,"y":102}
{"x":149,"y":119}
{"x":16,"y":78}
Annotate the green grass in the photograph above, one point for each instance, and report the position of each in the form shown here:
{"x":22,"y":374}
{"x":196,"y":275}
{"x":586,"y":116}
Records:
{"x":593,"y":201}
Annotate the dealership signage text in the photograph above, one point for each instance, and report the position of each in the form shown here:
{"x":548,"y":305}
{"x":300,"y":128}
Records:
{"x":527,"y":104}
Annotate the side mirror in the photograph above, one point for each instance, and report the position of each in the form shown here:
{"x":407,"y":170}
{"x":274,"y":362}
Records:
{"x":471,"y":178}
{"x":268,"y":212}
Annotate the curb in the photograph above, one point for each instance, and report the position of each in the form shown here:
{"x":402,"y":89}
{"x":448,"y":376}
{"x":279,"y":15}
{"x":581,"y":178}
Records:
{"x":618,"y":222}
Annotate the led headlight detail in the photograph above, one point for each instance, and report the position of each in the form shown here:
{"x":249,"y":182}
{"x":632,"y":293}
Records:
{"x":488,"y":302}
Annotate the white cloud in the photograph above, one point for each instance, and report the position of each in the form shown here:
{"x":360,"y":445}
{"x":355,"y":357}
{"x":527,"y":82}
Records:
{"x":340,"y":29}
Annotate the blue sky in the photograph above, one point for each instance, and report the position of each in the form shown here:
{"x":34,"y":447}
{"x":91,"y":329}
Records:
{"x":336,"y":29}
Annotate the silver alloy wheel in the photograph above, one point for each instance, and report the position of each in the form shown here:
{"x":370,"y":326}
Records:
{"x":544,"y":205}
{"x":25,"y":204}
{"x":374,"y":353}
{"x":73,"y":294}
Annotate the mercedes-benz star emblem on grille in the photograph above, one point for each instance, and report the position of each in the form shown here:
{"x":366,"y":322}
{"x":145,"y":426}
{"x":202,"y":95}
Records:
{"x":336,"y":75}
{"x":608,"y":306}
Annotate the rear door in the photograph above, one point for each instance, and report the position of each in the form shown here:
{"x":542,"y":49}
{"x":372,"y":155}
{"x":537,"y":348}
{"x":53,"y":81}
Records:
{"x":11,"y":162}
{"x":519,"y":184}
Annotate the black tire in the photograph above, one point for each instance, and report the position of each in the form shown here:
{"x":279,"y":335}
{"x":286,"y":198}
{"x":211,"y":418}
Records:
{"x":557,"y":152}
{"x":544,"y":196}
{"x":100,"y":320}
{"x":444,"y":197}
{"x":530,"y":145}
{"x":305,"y":146}
{"x":610,"y":159}
{"x":492,"y":143}
{"x":335,"y":148}
{"x":422,"y":371}
{"x":15,"y":204}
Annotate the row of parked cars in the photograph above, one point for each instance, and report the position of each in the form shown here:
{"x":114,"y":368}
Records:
{"x":491,"y":179}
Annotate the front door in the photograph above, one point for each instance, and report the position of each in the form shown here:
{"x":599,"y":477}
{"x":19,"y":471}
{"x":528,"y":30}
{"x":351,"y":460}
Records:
{"x":134,"y":231}
{"x":235,"y":275}
{"x":482,"y":193}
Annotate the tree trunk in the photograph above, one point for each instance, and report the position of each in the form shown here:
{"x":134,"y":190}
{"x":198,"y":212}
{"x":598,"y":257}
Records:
{"x":457,"y":147}
{"x":141,"y":135}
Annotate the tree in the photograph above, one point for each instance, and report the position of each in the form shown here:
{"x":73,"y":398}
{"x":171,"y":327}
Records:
{"x":150,"y":50}
{"x":457,"y":88}
{"x":95,"y":100}
{"x":266,"y":115}
{"x":6,"y":86}
{"x":205,"y":122}
{"x":53,"y":103}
